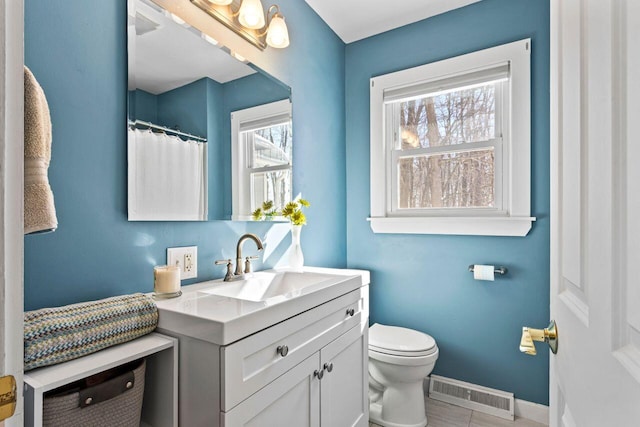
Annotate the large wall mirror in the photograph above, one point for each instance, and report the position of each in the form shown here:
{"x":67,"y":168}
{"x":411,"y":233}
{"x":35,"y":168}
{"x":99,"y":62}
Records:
{"x":183,"y":91}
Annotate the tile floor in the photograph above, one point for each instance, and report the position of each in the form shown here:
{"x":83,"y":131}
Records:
{"x":441,"y":414}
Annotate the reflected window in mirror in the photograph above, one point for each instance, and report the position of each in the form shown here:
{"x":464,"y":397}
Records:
{"x":262,"y":148}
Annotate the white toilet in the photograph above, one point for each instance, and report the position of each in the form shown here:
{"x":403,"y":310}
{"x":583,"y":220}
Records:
{"x":399,"y":360}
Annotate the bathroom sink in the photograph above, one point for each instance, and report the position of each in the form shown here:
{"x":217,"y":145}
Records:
{"x":224,"y":312}
{"x":273,"y":286}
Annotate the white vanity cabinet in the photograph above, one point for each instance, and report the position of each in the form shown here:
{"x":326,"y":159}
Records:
{"x":325,"y":390}
{"x":307,"y":370}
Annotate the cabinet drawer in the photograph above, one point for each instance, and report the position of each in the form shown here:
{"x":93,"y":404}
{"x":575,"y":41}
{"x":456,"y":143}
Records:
{"x":250,"y":364}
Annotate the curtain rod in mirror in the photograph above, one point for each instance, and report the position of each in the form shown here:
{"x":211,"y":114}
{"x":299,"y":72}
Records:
{"x":135,"y":124}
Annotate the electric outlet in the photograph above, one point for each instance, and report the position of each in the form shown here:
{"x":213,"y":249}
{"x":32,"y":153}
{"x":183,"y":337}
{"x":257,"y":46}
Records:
{"x":186,"y":258}
{"x":188,"y":262}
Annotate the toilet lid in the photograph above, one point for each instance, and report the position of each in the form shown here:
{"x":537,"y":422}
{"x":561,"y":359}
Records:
{"x":396,"y":340}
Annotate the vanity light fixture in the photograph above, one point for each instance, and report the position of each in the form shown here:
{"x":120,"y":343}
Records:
{"x":247,"y":19}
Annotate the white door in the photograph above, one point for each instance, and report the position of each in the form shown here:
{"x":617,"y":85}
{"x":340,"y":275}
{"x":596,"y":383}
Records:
{"x":11,"y":195}
{"x":595,"y":212}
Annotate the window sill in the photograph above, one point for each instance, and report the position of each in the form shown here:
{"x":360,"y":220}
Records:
{"x":250,"y":218}
{"x":468,"y":226}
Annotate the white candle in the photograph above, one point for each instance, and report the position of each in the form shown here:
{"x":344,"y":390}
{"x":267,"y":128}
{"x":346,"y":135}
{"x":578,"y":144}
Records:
{"x":166,"y":279}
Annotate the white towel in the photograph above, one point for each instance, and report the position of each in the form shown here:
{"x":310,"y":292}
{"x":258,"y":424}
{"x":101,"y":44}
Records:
{"x":39,"y":208}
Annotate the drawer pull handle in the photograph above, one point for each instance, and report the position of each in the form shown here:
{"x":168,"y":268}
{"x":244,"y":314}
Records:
{"x":351,"y":312}
{"x":328,"y":367}
{"x":318,"y":374}
{"x":282,"y":350}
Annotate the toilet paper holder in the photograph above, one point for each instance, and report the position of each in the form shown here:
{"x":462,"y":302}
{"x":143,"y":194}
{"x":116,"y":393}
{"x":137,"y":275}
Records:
{"x":497,"y":270}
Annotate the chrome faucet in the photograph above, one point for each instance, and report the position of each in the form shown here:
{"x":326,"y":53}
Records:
{"x":238,"y":274}
{"x":241,"y":240}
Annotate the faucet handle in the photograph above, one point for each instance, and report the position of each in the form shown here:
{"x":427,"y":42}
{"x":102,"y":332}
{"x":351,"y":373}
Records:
{"x":229,"y":275}
{"x":247,"y":263}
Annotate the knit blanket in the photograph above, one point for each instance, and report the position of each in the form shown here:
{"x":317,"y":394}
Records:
{"x":55,"y":335}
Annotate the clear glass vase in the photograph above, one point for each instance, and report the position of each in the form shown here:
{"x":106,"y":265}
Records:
{"x":296,"y":257}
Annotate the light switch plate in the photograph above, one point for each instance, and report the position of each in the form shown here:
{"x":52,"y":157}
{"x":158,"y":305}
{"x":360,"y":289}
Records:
{"x":187,"y":258}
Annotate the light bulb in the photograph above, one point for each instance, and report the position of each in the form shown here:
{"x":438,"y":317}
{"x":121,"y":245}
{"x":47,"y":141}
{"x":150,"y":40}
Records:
{"x":251,"y":14}
{"x":221,"y":2}
{"x":277,"y":34}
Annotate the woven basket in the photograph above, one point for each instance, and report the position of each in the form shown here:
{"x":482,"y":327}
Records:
{"x":123,"y":410}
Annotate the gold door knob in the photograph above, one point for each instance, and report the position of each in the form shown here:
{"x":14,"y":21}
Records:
{"x":548,"y":335}
{"x":8,"y":393}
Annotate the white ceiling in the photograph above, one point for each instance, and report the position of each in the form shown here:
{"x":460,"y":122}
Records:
{"x":173,"y":55}
{"x":354,"y":20}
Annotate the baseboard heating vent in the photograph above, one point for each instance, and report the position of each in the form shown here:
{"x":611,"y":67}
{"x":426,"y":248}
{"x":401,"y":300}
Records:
{"x":472,"y":396}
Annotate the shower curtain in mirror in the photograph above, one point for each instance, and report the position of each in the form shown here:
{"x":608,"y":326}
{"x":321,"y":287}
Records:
{"x":167,"y":177}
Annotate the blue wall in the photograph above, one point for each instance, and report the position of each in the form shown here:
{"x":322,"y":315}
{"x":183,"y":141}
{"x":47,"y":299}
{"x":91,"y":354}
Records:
{"x":187,"y":107}
{"x":143,"y":106}
{"x":77,"y":51}
{"x":421,"y":281}
{"x":215,"y":125}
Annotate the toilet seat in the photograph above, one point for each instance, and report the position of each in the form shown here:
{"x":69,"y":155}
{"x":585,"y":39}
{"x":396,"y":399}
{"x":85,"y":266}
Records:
{"x":403,"y":353}
{"x":397,"y":341}
{"x":404,"y":360}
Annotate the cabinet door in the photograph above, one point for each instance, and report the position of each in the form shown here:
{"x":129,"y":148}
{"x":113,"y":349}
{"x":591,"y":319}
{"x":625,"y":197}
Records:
{"x":293,"y":399}
{"x":344,"y":399}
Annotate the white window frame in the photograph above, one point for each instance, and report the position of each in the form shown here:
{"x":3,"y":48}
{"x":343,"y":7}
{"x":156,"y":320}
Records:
{"x":511,"y":215}
{"x":241,"y":173}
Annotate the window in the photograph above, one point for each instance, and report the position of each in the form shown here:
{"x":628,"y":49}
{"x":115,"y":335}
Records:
{"x":262,"y":143}
{"x":450,"y":145}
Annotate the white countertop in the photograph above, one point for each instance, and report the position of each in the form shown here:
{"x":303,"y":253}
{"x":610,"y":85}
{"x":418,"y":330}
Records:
{"x":223,"y":320}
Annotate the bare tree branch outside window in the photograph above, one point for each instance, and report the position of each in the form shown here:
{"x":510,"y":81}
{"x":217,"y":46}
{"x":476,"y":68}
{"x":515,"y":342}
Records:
{"x":451,"y":179}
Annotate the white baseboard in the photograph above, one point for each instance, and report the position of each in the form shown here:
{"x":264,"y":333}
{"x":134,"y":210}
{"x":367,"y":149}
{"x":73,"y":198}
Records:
{"x":532,"y":411}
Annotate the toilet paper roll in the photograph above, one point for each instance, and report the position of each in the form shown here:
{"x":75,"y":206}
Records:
{"x":484,"y":272}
